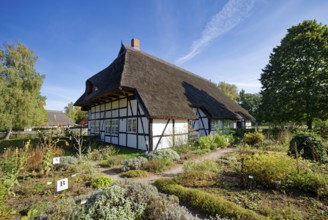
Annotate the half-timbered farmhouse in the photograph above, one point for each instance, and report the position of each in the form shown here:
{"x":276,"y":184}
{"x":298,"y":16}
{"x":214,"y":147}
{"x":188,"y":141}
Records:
{"x":143,"y":102}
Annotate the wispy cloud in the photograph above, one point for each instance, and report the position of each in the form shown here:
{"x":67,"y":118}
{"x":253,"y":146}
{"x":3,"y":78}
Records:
{"x":233,"y":12}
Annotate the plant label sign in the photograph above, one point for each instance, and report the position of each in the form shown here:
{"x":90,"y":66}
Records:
{"x":56,"y":160}
{"x":62,"y":184}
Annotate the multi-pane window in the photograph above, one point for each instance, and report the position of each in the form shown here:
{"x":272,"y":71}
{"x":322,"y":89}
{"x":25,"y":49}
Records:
{"x":107,"y":126}
{"x":94,"y":126}
{"x":114,"y":130}
{"x":111,"y":126}
{"x":132,"y":125}
{"x":216,"y":124}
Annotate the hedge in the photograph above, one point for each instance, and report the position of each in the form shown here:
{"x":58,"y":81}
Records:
{"x":210,"y":204}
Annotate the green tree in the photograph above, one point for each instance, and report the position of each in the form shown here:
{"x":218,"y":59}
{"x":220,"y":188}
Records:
{"x":75,"y":113}
{"x":295,"y":82}
{"x":21,"y":104}
{"x":229,"y":89}
{"x":250,"y":102}
{"x":70,"y":110}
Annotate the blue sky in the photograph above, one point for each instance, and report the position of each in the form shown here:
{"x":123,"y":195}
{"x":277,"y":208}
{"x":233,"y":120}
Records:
{"x":220,"y":40}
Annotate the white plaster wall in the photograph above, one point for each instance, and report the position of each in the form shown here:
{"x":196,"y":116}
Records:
{"x":114,"y":104}
{"x":122,"y":139}
{"x":122,"y":125}
{"x":181,"y":126}
{"x":248,"y":124}
{"x":132,"y":140}
{"x":114,"y":140}
{"x":134,"y":107}
{"x":115,"y":113}
{"x":142,"y":141}
{"x":123,"y":103}
{"x":107,"y":139}
{"x":165,"y":142}
{"x":159,"y":125}
{"x":122,"y":112}
{"x":145,"y":124}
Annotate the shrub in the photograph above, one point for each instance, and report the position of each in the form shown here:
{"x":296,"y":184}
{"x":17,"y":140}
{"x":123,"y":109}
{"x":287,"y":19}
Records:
{"x":309,"y":146}
{"x":206,"y":202}
{"x":101,"y":154}
{"x":197,"y":178}
{"x":135,"y":173}
{"x":157,"y":205}
{"x":136,"y":163}
{"x":34,"y":159}
{"x":112,"y":204}
{"x":253,"y":138}
{"x":167,"y":154}
{"x":102,"y":182}
{"x":203,"y":166}
{"x":68,"y":160}
{"x":158,"y":165}
{"x":213,"y":141}
{"x":268,"y":168}
{"x":198,"y":174}
{"x":311,"y":182}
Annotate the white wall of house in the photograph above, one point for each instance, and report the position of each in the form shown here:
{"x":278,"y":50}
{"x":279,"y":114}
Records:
{"x":168,"y":133}
{"x":121,"y":122}
{"x":201,"y":124}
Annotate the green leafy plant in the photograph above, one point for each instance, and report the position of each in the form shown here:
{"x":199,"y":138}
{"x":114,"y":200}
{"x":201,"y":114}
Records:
{"x":198,"y":174}
{"x":47,"y":161}
{"x":102,"y":182}
{"x":136,"y":163}
{"x":267,"y":169}
{"x":10,"y":174}
{"x":213,"y":141}
{"x":112,"y":204}
{"x":167,"y":154}
{"x":309,"y":146}
{"x":253,"y":138}
{"x":202,"y":166}
{"x":206,"y":202}
{"x":158,"y":165}
{"x":135,"y":173}
{"x":310,"y":182}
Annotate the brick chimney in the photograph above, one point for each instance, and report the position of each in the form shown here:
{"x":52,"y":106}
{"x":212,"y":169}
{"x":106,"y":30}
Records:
{"x":135,"y":43}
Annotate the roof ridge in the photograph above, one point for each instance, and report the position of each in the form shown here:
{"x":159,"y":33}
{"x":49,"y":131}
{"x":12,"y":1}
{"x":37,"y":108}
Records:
{"x":167,"y":63}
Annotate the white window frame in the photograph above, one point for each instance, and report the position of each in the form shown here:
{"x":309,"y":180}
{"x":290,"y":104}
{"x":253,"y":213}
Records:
{"x":114,"y":127}
{"x":132,"y":125}
{"x":94,"y":126}
{"x":107,"y":126}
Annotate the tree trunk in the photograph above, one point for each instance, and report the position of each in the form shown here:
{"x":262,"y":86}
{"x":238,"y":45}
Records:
{"x":8,"y":134}
{"x":309,"y":123}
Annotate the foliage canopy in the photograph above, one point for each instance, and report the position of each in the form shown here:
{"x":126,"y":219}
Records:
{"x":295,"y":82}
{"x":21,"y":104}
{"x":229,"y":89}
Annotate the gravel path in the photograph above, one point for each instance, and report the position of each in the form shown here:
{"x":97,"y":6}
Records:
{"x":114,"y":172}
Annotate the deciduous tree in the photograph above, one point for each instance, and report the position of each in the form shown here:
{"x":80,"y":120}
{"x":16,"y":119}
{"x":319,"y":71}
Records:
{"x":250,"y":102}
{"x":229,"y":89}
{"x":75,"y":113}
{"x":21,"y":104}
{"x":295,"y":82}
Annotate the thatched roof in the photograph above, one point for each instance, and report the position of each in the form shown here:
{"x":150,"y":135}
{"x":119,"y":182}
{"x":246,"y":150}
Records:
{"x":58,"y":118}
{"x":166,"y":90}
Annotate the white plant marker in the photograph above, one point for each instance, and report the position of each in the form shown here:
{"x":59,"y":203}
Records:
{"x":62,"y":184}
{"x":250,"y":177}
{"x":49,"y":183}
{"x":73,"y":175}
{"x":83,"y":202}
{"x":56,"y":160}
